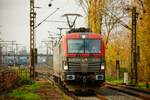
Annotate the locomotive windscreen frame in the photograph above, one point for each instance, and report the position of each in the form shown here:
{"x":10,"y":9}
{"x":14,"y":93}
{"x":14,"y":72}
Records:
{"x":84,"y":46}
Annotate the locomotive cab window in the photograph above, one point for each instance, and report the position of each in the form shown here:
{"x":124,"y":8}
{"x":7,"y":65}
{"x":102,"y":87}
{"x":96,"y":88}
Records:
{"x":75,"y":46}
{"x":84,"y":46}
{"x":92,"y":46}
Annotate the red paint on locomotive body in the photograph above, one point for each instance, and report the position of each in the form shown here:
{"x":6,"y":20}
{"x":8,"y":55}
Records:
{"x":79,"y":36}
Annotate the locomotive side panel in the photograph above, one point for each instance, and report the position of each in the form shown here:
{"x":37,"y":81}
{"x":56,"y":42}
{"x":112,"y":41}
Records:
{"x":56,"y":60}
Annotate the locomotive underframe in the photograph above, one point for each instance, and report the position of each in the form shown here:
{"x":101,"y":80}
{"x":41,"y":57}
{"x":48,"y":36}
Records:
{"x":79,"y":77}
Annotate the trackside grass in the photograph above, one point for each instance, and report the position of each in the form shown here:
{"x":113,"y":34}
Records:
{"x":26,"y":92}
{"x":114,"y":81}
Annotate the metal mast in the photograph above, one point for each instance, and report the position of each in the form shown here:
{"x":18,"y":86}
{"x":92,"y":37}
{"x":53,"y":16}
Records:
{"x":133,"y":49}
{"x":32,"y":25}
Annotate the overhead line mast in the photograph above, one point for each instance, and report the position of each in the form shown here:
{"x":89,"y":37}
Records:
{"x":32,"y":25}
{"x":134,"y":76}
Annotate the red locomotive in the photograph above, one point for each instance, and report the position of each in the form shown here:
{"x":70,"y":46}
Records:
{"x":80,"y":57}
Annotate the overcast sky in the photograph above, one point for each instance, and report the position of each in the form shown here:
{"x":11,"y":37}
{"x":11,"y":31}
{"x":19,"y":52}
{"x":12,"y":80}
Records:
{"x":14,"y":19}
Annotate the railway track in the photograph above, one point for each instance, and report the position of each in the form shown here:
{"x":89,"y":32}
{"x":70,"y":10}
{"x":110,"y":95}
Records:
{"x":139,"y":93}
{"x":95,"y":96}
{"x":107,"y":92}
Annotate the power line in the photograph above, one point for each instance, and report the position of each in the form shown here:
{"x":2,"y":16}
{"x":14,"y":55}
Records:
{"x":46,"y":18}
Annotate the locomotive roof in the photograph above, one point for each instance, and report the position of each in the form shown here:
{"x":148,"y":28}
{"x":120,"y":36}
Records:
{"x":79,"y":34}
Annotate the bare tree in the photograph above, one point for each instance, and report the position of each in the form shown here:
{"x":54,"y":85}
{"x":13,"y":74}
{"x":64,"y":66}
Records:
{"x":114,"y":12}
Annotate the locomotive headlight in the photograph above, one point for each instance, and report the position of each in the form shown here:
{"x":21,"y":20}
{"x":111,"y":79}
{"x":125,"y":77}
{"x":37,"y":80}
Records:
{"x":102,"y":67}
{"x":83,"y":36}
{"x":65,"y":67}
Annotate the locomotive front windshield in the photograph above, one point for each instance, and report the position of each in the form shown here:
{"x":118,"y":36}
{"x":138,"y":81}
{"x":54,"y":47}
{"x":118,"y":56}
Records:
{"x":83,"y":46}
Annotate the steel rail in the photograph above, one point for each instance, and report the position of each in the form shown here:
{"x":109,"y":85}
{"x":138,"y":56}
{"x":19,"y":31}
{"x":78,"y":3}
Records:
{"x":131,"y":91}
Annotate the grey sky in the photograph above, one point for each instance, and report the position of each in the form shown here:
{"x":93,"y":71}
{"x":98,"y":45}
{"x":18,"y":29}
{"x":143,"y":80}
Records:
{"x":14,"y":18}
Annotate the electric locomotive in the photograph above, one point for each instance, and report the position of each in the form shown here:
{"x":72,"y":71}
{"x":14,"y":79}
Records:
{"x":79,"y":57}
